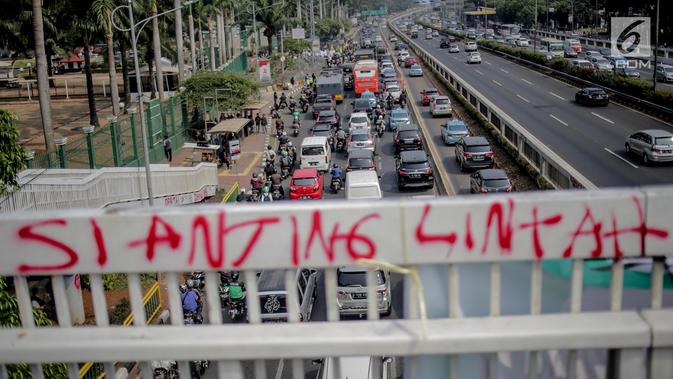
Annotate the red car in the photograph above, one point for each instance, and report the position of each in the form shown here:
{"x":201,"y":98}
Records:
{"x":410,"y":62}
{"x":428,"y":94}
{"x":306,"y":183}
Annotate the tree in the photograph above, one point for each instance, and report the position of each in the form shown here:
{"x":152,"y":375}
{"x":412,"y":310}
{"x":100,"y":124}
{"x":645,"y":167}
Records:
{"x":156,"y":47}
{"x":204,"y":83}
{"x":9,"y":317}
{"x":12,"y":155}
{"x":102,"y":10}
{"x":273,"y":16}
{"x":42,"y":76}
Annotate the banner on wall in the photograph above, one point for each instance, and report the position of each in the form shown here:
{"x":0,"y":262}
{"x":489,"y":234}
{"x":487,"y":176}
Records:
{"x":264,"y":70}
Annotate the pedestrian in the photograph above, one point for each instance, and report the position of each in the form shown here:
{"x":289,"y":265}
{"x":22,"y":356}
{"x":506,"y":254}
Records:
{"x":168,"y":149}
{"x":258,"y":122}
{"x":264,"y":123}
{"x":275,"y":99}
{"x":292,"y":82}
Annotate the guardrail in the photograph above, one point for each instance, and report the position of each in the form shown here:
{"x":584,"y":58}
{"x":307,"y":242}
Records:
{"x":444,"y":234}
{"x":152,"y":306}
{"x":549,"y":165}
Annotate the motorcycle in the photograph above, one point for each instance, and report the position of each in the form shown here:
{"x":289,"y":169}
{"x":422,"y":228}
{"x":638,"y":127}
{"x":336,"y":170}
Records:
{"x":165,"y":370}
{"x":232,"y":295}
{"x":304,"y":108}
{"x":276,"y":194}
{"x":295,"y":129}
{"x":199,"y":280}
{"x":193,"y":318}
{"x":341,"y":145}
{"x":198,"y":368}
{"x":293,"y":107}
{"x":379,"y":126}
{"x":335,"y":185}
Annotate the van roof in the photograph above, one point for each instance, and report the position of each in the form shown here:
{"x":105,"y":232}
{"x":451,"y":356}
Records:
{"x":272,"y":280}
{"x":314,"y":140}
{"x":355,"y":178}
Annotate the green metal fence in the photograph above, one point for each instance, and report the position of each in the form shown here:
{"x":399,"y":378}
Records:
{"x":238,"y":64}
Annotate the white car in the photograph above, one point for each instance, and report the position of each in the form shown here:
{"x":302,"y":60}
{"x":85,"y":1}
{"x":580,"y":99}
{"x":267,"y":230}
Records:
{"x":522,"y":42}
{"x":435,"y":33}
{"x":473,"y":57}
{"x":358,"y":120}
{"x":453,"y":48}
{"x":393,"y":39}
{"x":428,"y":35}
{"x":440,"y":106}
{"x":386,"y":65}
{"x":394,"y":91}
{"x":403,"y":56}
{"x":470,"y":46}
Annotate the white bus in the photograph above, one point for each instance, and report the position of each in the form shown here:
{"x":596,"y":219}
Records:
{"x":508,"y":29}
{"x":552,"y":45}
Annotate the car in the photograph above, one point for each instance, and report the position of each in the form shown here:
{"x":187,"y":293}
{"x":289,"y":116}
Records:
{"x":444,"y":43}
{"x":349,"y":83}
{"x":453,"y":48}
{"x":363,"y":105}
{"x":369,"y":96}
{"x":470,"y":46}
{"x":400,"y":46}
{"x":474,"y":57}
{"x":387,"y":66}
{"x":414,"y":170}
{"x":522,"y":42}
{"x":592,"y":96}
{"x":664,"y":73}
{"x":601,"y":64}
{"x":627,"y":72}
{"x":428,"y":94}
{"x":452,"y":39}
{"x":398,"y":117}
{"x":352,"y":292}
{"x":428,"y":35}
{"x":472,"y":36}
{"x":435,"y":33}
{"x":474,"y":152}
{"x":380,"y":50}
{"x":569,"y":52}
{"x":651,"y":145}
{"x":361,"y":139}
{"x":390,"y":82}
{"x":306,"y":183}
{"x":582,"y":64}
{"x":332,"y":117}
{"x":490,"y":180}
{"x":408,"y":137}
{"x":415,"y":70}
{"x":360,"y":159}
{"x":324,"y":130}
{"x":394,"y":91}
{"x":388,"y":73}
{"x":591,"y":53}
{"x":440,"y":106}
{"x":453,"y":131}
{"x":617,"y":61}
{"x":410,"y":62}
{"x":358,"y":120}
{"x":403,"y":56}
{"x":323,"y":103}
{"x":393,"y":38}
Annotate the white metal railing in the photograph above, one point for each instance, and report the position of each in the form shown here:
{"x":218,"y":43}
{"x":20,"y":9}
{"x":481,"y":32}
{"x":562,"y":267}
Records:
{"x":109,"y":187}
{"x":444,"y":233}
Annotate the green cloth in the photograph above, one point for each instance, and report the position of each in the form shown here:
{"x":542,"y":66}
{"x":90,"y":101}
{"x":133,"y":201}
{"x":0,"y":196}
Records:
{"x":597,"y":273}
{"x":235,"y":292}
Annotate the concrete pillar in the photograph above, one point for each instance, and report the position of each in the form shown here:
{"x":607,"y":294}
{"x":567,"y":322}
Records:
{"x":73,"y":291}
{"x":114,"y":134}
{"x":30,"y":156}
{"x":60,"y":147}
{"x":89,"y":145}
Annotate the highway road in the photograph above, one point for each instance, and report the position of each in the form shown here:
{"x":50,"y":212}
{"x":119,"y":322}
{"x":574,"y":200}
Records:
{"x":591,"y":139}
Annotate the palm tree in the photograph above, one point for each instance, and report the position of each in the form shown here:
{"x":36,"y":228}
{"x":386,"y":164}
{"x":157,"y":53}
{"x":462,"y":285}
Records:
{"x":178,"y":40}
{"x":102,"y":11}
{"x":273,"y":17}
{"x":156,"y":47}
{"x":42,"y":78}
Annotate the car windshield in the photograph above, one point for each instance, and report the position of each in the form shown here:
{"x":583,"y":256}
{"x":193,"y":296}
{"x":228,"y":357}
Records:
{"x":416,"y":165}
{"x":358,"y":279}
{"x":361,"y":162}
{"x":323,"y":100}
{"x":359,"y":120}
{"x":304,"y":182}
{"x":400,"y":116}
{"x":496,"y":183}
{"x":663,"y":140}
{"x":668,"y":70}
{"x":442,"y":101}
{"x":477,"y":148}
{"x":312,"y":150}
{"x":393,"y":89}
{"x":325,"y":119}
{"x":360,"y":137}
{"x":359,"y":104}
{"x":431,"y":93}
{"x":457,"y":128}
{"x":408,"y":134}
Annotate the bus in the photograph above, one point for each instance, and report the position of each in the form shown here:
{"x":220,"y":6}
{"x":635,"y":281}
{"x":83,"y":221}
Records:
{"x":332,"y":85}
{"x":573,"y":44}
{"x":364,"y":54}
{"x":508,"y":29}
{"x":366,"y":76}
{"x":553,"y":46}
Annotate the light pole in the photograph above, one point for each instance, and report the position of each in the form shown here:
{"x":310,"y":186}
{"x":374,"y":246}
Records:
{"x":134,"y":42}
{"x":535,"y":30}
{"x":253,"y":12}
{"x":656,"y":48}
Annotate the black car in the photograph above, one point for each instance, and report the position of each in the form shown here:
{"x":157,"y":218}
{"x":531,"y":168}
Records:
{"x":323,"y":103}
{"x":592,"y":96}
{"x":323,"y":130}
{"x":490,"y":180}
{"x":452,"y":39}
{"x":361,"y":159}
{"x":363,"y":105}
{"x":347,"y":68}
{"x":444,"y":43}
{"x":380,"y":50}
{"x":349,"y":84}
{"x":414,"y":170}
{"x":381,"y":57}
{"x":408,"y":137}
{"x":474,"y":152}
{"x":400,"y":46}
{"x":331,"y":117}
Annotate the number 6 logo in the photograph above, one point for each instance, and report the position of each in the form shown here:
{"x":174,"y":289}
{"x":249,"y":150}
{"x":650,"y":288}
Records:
{"x":629,"y":33}
{"x":630,"y":37}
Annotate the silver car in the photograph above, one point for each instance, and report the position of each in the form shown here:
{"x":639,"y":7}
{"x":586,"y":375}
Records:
{"x":352,"y":291}
{"x":361,"y":139}
{"x":651,"y":145}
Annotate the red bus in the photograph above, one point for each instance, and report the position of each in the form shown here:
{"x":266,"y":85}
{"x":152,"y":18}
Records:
{"x":366,"y":76}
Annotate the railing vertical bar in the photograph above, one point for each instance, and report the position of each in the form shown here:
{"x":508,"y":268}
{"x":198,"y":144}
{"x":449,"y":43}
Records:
{"x":292,"y":301}
{"x":174,"y":302}
{"x":453,"y":366}
{"x":454,"y":306}
{"x":213,"y":296}
{"x":61,"y":301}
{"x":136,"y":295}
{"x":536,"y":288}
{"x":372,"y":299}
{"x":533,"y":364}
{"x":576,"y":286}
{"x":229,"y":370}
{"x":297,"y":369}
{"x":330,"y":294}
{"x":73,"y":371}
{"x":3,"y":371}
{"x":23,"y":298}
{"x":657,"y":283}
{"x":98,"y":298}
{"x":260,"y":369}
{"x":494,"y":305}
{"x":146,"y":370}
{"x":184,"y":369}
{"x":410,"y":300}
{"x":110,"y":371}
{"x":36,"y":371}
{"x":252,"y":298}
{"x":616,"y":286}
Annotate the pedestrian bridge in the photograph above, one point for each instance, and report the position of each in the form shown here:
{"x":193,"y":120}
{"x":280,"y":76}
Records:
{"x":110,"y":187}
{"x":405,"y":236}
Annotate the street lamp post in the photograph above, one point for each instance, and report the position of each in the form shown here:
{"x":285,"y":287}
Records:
{"x":656,"y":48}
{"x":134,"y":42}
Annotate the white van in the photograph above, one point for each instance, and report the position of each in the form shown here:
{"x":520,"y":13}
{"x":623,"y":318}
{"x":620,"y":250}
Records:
{"x":356,"y":368}
{"x":363,"y":184}
{"x":315,"y":152}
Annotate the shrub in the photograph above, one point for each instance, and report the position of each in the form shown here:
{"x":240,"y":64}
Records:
{"x":120,"y":312}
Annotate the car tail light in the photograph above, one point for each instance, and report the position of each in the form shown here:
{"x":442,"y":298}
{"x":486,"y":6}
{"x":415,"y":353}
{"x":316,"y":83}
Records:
{"x":427,"y":171}
{"x":381,"y":291}
{"x":466,"y":154}
{"x":417,"y":139}
{"x":403,"y":172}
{"x":483,"y":190}
{"x":488,"y":154}
{"x":293,"y":188}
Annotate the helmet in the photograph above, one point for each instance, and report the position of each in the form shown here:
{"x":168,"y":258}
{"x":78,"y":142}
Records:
{"x":289,"y":144}
{"x":242,"y":190}
{"x":269,"y":147}
{"x":284,"y":134}
{"x":254,"y":175}
{"x":190,"y":283}
{"x":265,"y":189}
{"x":335,"y":165}
{"x":234,"y":276}
{"x":284,"y":153}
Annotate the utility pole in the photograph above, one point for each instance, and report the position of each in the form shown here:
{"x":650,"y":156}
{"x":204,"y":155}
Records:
{"x":192,"y":41}
{"x":656,"y":48}
{"x":178,"y":41}
{"x":535,"y":30}
{"x":312,"y":20}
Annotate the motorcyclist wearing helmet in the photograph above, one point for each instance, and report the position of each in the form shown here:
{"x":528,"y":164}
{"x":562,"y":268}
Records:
{"x":270,"y":154}
{"x":191,"y":299}
{"x":292,"y":152}
{"x":336,"y":172}
{"x":283,"y":139}
{"x":266,"y":196}
{"x":257,"y":182}
{"x":242,"y":196}
{"x":283,"y":99}
{"x":341,"y":135}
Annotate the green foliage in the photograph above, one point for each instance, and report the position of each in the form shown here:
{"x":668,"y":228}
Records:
{"x":296,"y":46}
{"x":12,"y":155}
{"x":327,"y":27}
{"x":120,"y":312}
{"x":9,"y":317}
{"x":204,"y":83}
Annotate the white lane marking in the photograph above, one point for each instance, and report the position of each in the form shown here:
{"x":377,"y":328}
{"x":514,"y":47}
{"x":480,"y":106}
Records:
{"x":557,"y":96}
{"x":526,"y":81}
{"x":479,"y":72}
{"x":558,"y":119}
{"x":620,"y":157}
{"x":505,"y":71}
{"x":602,"y":118}
{"x":522,"y":98}
{"x":498,"y":83}
{"x":487,"y":62}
